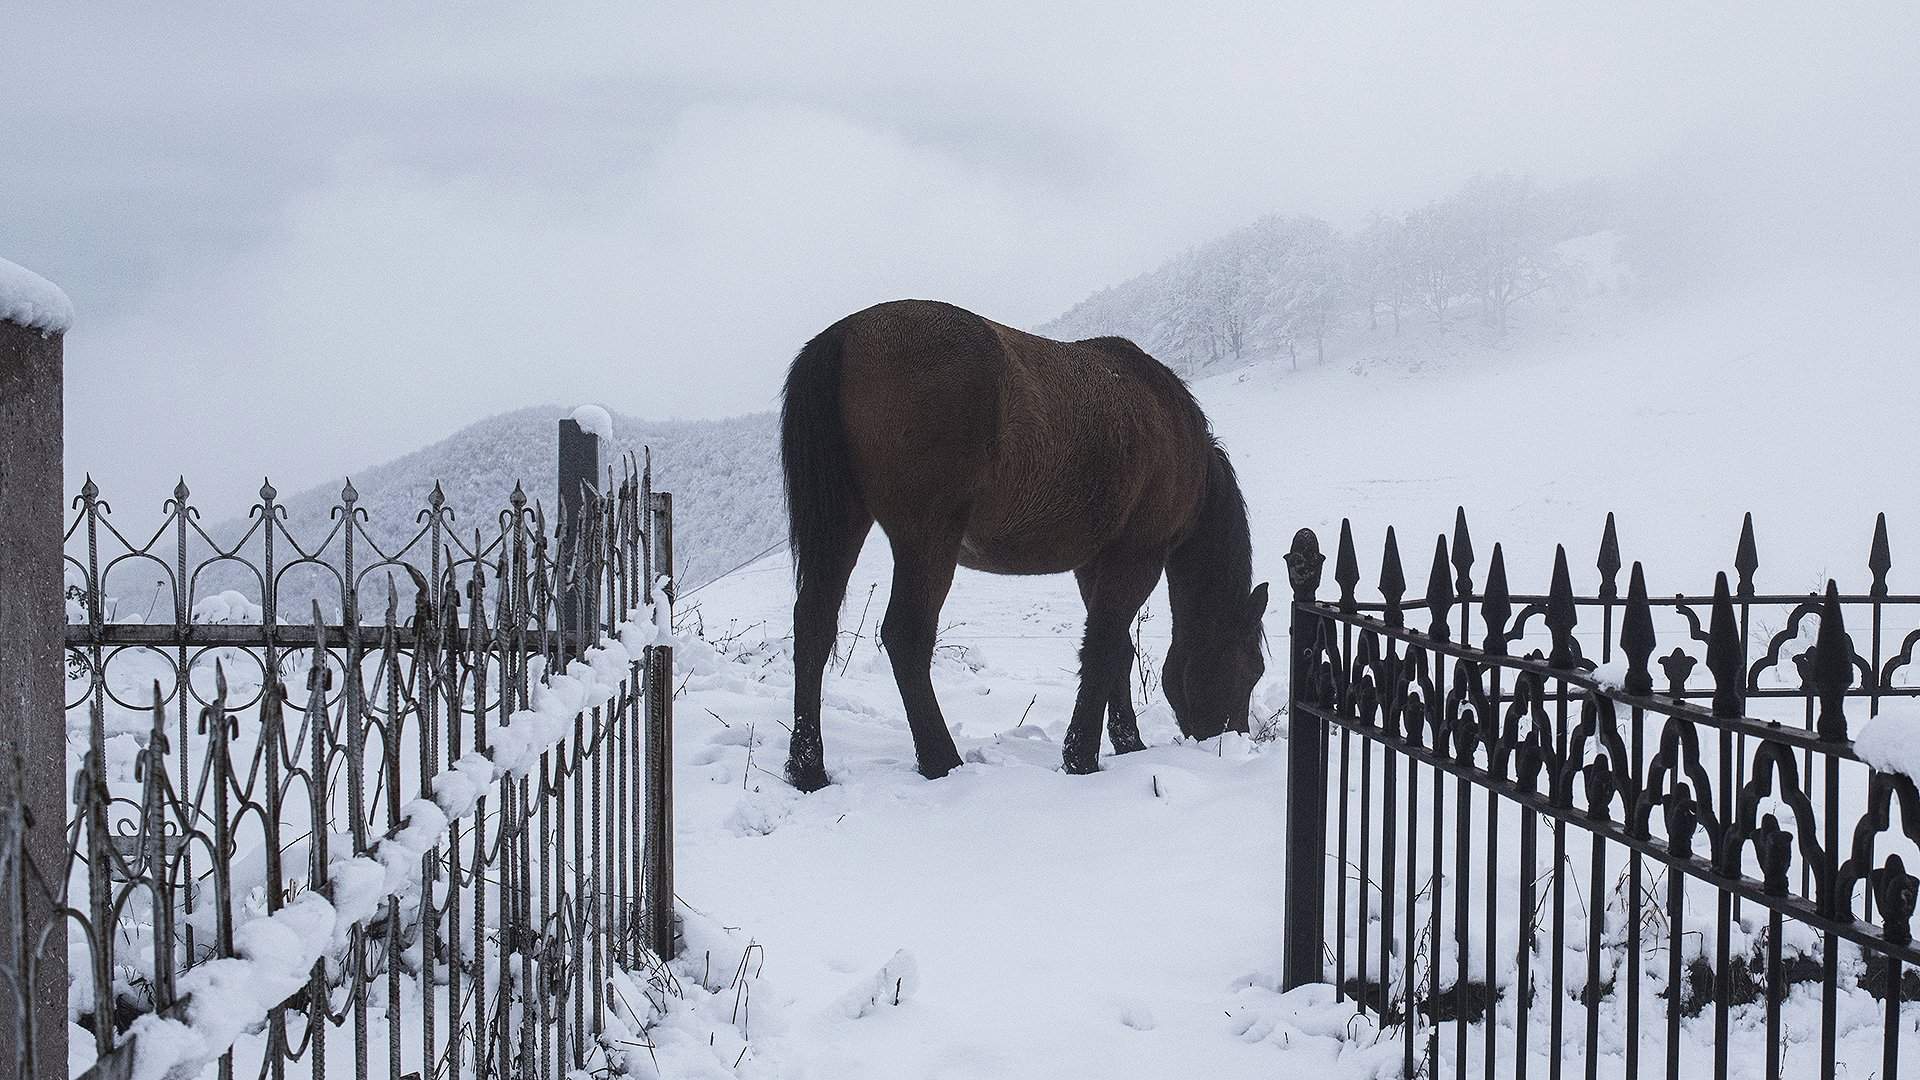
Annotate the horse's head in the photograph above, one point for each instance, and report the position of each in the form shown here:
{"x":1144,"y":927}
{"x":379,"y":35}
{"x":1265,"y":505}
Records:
{"x":1210,"y":674}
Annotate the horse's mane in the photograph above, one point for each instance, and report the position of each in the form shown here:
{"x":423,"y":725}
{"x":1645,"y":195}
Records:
{"x":1211,"y":572}
{"x":1214,"y":563}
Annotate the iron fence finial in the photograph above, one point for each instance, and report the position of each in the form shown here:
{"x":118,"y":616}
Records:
{"x":1561,"y":616}
{"x":1609,"y":561}
{"x":1637,"y":638}
{"x":1879,"y":556}
{"x":1726,"y":659}
{"x":1393,"y":582}
{"x":1303,"y":565}
{"x":1496,"y":605}
{"x":1439,"y":592}
{"x":1346,"y":567}
{"x":1746,"y":556}
{"x":1832,"y":667}
{"x":1462,"y":554}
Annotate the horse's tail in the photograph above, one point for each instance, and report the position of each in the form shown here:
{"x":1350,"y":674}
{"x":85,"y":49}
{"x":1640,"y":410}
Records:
{"x":821,"y":493}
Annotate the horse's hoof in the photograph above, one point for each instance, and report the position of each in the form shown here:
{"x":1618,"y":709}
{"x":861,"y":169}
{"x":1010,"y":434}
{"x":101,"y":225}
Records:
{"x":1129,"y":746}
{"x":807,"y":778}
{"x":934,"y":770}
{"x":1075,"y":767}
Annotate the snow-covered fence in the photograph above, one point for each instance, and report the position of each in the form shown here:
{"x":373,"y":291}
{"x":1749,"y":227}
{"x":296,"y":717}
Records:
{"x":1552,"y":844}
{"x":429,"y":804}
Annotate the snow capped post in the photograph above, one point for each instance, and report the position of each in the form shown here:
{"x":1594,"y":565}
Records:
{"x":579,"y":461}
{"x":34,"y":316}
{"x":1303,"y":940}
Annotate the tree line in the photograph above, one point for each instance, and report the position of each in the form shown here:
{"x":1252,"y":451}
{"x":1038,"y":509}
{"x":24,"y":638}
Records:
{"x":1284,"y":283}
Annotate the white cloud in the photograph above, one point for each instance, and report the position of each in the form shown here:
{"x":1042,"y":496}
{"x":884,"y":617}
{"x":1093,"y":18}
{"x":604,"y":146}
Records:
{"x":374,"y":227}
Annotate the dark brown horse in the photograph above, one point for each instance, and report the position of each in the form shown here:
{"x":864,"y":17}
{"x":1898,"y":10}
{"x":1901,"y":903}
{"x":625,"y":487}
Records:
{"x":975,"y":444}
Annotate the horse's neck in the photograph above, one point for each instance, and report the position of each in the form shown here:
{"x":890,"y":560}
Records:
{"x":1211,"y":572}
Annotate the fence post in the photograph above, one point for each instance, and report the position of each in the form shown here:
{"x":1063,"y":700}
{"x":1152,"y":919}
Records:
{"x":659,"y":838}
{"x":579,"y":466}
{"x":33,"y":321}
{"x":1306,"y":863}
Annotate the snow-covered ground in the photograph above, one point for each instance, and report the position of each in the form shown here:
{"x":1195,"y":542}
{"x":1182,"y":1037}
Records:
{"x":1012,"y":921}
{"x":1128,"y":924}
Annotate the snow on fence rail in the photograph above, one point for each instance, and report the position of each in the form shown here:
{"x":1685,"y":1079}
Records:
{"x":1556,"y":846}
{"x":440,"y":818}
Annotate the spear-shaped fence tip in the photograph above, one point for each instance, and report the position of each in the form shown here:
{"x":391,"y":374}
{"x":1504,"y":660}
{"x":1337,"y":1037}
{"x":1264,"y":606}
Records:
{"x":1496,"y":605}
{"x":1346,"y":566}
{"x":1439,"y":591}
{"x":1609,"y":561}
{"x":1393,"y":580}
{"x":1880,"y":556}
{"x":1637,"y":637}
{"x":1746,"y":556}
{"x":1832,"y":674}
{"x":1562,"y":616}
{"x":1726,"y":658}
{"x":1462,"y":551}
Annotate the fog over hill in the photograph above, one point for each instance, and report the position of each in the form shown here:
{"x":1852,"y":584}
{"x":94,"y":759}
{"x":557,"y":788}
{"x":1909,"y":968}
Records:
{"x":729,"y":503}
{"x":1501,"y":256}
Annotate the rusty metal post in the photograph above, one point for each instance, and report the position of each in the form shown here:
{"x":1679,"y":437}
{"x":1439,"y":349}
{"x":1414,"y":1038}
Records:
{"x":32,"y":680}
{"x":1303,"y":943}
{"x":659,"y":832}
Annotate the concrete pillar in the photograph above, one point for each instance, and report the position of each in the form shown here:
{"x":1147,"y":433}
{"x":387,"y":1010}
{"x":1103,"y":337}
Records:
{"x":33,"y":318}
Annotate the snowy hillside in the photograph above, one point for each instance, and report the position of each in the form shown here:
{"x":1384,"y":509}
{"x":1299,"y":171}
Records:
{"x":1294,"y":287}
{"x":725,"y":472}
{"x":1034,"y":924}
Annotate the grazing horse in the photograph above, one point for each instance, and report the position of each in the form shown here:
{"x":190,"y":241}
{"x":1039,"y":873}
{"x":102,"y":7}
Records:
{"x":975,"y":444}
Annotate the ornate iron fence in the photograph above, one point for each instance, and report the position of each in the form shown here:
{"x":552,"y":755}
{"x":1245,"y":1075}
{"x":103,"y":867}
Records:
{"x":1726,"y":883}
{"x":439,"y":819}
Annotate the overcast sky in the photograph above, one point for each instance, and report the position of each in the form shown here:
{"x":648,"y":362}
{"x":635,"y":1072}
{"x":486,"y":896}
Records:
{"x":303,"y":245}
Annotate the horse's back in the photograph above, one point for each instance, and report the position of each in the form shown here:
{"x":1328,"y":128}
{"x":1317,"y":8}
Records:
{"x":920,"y":392}
{"x":1049,"y":450}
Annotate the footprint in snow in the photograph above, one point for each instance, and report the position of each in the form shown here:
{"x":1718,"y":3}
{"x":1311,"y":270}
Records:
{"x":758,"y":813}
{"x":708,"y":755}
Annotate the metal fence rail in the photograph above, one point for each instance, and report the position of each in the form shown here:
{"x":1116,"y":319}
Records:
{"x":1541,"y":824}
{"x":229,"y":755}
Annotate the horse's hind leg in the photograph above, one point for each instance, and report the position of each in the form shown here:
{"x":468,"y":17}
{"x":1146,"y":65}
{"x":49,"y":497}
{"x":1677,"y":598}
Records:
{"x":1123,"y":726}
{"x":816,"y":626}
{"x":922,"y":573}
{"x":1114,"y":586}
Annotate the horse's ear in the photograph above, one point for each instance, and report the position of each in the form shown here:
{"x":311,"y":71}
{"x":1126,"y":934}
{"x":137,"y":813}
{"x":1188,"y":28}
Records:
{"x":1257,"y":603}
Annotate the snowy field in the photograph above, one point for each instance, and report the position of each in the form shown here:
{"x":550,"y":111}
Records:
{"x":1128,"y":924}
{"x":1012,"y":921}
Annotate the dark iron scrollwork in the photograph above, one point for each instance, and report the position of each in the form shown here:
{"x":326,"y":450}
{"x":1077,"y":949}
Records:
{"x":1746,"y":788}
{"x":238,"y":733}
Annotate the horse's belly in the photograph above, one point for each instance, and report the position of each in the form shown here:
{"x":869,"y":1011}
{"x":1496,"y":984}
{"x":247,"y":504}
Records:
{"x":1016,"y":544}
{"x":994,"y":557}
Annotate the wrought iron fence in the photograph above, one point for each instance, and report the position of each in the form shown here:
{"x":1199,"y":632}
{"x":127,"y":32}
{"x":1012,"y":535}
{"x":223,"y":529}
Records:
{"x":1725,"y":883}
{"x":433,"y":831}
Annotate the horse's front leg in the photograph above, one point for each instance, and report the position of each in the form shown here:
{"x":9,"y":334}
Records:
{"x":1113,"y":586}
{"x":1104,"y":654}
